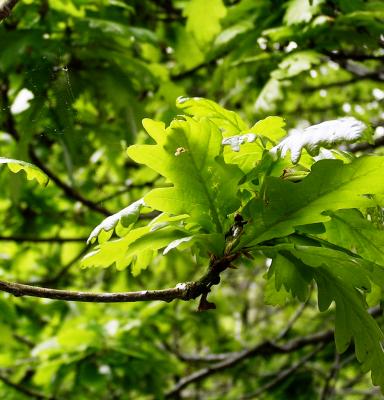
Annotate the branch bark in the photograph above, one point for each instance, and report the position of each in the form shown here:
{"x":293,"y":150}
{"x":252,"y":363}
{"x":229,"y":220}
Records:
{"x":32,"y":394}
{"x":283,"y":374}
{"x":264,"y":349}
{"x":183,"y":291}
{"x":68,"y":190}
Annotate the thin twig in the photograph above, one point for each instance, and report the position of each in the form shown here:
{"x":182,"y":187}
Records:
{"x":59,"y":274}
{"x":292,"y":321}
{"x":283,"y":374}
{"x":367,"y":146}
{"x":32,"y":394}
{"x":182,"y":291}
{"x":68,"y":190}
{"x":24,"y":340}
{"x":330,"y":379}
{"x":264,"y":349}
{"x":353,"y":56}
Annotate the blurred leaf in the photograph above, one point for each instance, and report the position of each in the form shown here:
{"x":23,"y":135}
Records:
{"x":203,"y":19}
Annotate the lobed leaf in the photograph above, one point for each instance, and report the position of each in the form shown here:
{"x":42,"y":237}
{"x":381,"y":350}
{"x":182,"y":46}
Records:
{"x":228,"y":121}
{"x":31,"y":170}
{"x":342,"y":279}
{"x":326,"y":134}
{"x":136,"y":244}
{"x":189,"y":154}
{"x":349,"y":229}
{"x":126,"y":217}
{"x":203,"y":19}
{"x":331,"y":185}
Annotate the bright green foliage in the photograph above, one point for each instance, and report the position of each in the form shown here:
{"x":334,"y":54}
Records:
{"x":126,"y":217}
{"x":301,"y":10}
{"x":31,"y":171}
{"x":283,"y":219}
{"x":203,"y":19}
{"x":134,"y":246}
{"x":349,"y":229}
{"x":331,"y":185}
{"x":93,"y":70}
{"x":189,"y":155}
{"x":342,"y":279}
{"x":228,"y":121}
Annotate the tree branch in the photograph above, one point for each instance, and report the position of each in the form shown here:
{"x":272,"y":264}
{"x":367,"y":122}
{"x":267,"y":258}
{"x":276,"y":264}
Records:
{"x":53,"y":279}
{"x":183,"y":291}
{"x":68,"y":190}
{"x":292,"y":320}
{"x":353,"y":56}
{"x":32,"y":394}
{"x":283,"y":373}
{"x":264,"y":349}
{"x":330,"y":380}
{"x":6,"y":7}
{"x":367,"y":146}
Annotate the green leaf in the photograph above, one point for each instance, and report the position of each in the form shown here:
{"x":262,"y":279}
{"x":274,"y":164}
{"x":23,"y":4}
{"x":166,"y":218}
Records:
{"x":271,"y":127}
{"x":331,"y":185}
{"x":291,"y":274}
{"x":115,"y":28}
{"x":275,"y":297}
{"x":248,"y":148}
{"x":271,"y":92}
{"x":301,"y":11}
{"x":187,"y":52}
{"x":189,"y":154}
{"x":327,"y":134}
{"x":247,"y":157}
{"x":126,"y":217}
{"x":203,"y":19}
{"x":344,"y":279}
{"x":141,"y":262}
{"x":228,"y":121}
{"x":31,"y":170}
{"x":137,"y":243}
{"x":348,"y":228}
{"x":213,"y":242}
{"x":296,"y":63}
{"x":113,"y":251}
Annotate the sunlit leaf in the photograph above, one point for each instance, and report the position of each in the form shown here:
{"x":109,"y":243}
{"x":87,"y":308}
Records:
{"x":30,"y":170}
{"x":203,"y":19}
{"x":327,"y":134}
{"x":126,"y":217}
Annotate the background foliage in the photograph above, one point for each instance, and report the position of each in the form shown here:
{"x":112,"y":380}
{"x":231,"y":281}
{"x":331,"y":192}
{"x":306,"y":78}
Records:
{"x":95,"y":69}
